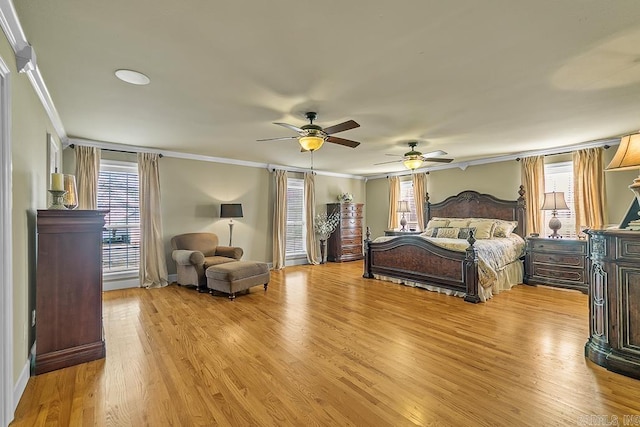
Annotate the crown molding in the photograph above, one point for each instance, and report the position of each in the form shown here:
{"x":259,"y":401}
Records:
{"x":26,"y":59}
{"x":188,"y":156}
{"x":547,"y":152}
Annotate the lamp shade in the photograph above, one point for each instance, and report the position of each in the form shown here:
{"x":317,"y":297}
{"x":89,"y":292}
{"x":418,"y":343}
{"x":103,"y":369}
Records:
{"x":311,"y":143}
{"x":628,"y":154}
{"x":554,"y":201}
{"x":231,"y":210}
{"x":403,"y":206}
{"x":413,"y":162}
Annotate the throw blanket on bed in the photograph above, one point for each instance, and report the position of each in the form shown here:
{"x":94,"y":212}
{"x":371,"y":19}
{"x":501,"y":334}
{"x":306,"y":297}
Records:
{"x":493,"y":254}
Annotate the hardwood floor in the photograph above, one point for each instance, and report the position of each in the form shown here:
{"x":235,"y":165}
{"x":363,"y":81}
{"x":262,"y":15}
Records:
{"x":323,"y":346}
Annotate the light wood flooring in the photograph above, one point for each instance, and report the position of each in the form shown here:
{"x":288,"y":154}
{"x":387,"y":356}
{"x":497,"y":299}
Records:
{"x":325,"y":347}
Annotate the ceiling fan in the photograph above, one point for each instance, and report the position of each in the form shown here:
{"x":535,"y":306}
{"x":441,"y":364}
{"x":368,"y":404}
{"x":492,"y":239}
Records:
{"x":311,"y":137}
{"x":413,"y":159}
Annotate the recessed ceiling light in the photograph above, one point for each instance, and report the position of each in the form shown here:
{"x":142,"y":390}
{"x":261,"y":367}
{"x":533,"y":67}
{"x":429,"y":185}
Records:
{"x":133,"y":77}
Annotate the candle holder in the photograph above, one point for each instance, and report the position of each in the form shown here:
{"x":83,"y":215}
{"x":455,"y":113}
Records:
{"x":57,"y":200}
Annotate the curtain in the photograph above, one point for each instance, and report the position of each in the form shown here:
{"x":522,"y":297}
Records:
{"x":280,"y":220}
{"x":533,"y":182}
{"x":87,"y":171}
{"x":310,"y":213}
{"x":419,"y":196}
{"x":153,"y":264}
{"x":589,"y":188}
{"x":394,"y":197}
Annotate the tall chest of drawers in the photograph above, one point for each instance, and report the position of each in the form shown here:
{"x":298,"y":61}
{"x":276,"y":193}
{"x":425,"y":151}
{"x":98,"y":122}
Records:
{"x":345,"y":244}
{"x":557,"y":262}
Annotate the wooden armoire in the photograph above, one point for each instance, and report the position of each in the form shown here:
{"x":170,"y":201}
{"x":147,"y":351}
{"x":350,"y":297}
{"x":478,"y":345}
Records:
{"x":345,"y":244}
{"x":68,"y":288}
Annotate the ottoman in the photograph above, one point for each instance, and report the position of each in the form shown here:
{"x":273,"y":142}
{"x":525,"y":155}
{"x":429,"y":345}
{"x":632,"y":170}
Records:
{"x":236,"y":276}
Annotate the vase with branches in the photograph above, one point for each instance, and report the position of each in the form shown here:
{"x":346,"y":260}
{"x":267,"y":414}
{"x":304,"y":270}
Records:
{"x":324,"y":225}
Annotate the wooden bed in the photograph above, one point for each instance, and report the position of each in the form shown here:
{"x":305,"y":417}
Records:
{"x":418,"y":260}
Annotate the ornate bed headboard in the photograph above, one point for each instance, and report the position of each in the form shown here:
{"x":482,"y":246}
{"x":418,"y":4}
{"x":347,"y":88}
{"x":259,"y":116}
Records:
{"x":471,"y":204}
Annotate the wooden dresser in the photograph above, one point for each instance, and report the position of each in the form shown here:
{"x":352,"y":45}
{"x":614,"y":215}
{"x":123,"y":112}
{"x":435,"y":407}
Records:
{"x":614,"y":301}
{"x":345,"y":244}
{"x":68,"y":288}
{"x":557,"y":262}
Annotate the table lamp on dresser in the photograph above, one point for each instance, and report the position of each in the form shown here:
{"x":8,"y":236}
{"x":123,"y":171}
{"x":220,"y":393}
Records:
{"x":628,"y":158}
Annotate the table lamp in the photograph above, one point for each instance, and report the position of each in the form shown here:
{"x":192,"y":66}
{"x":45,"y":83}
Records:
{"x":553,"y":202}
{"x":403,"y":207}
{"x":627,"y":158}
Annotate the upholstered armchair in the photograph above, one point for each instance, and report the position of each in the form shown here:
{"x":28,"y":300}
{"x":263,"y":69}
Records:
{"x":195,"y":252}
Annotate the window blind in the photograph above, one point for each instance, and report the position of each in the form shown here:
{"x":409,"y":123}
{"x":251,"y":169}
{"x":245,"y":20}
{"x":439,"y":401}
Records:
{"x":118,"y":192}
{"x":296,"y":236}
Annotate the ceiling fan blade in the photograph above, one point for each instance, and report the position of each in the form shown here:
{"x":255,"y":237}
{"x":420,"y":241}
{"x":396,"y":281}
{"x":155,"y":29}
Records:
{"x":341,"y":127}
{"x":277,"y":139}
{"x":342,"y":141}
{"x":434,"y":153}
{"x":437,"y":160}
{"x":292,"y":127}
{"x":394,"y":155}
{"x":385,"y":163}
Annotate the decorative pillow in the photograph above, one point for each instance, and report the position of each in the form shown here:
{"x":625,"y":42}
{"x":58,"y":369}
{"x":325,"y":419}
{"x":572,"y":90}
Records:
{"x":464,"y":232}
{"x":433,"y":224}
{"x":484,"y":228}
{"x":448,"y":232}
{"x":504,"y":228}
{"x":459,"y":222}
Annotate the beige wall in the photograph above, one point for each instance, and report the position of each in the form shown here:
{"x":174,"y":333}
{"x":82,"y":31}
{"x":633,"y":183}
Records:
{"x":192,"y":192}
{"x":500,"y":179}
{"x":29,"y":127}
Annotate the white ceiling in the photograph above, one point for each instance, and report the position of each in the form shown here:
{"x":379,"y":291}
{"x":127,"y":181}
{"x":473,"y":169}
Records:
{"x":473,"y":78}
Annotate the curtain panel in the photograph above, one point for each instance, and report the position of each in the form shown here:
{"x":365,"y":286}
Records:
{"x":533,"y":181}
{"x":87,"y":171}
{"x":310,"y":213}
{"x":589,"y":188}
{"x":394,"y":197}
{"x":153,"y":264}
{"x":280,"y":220}
{"x":419,"y":196}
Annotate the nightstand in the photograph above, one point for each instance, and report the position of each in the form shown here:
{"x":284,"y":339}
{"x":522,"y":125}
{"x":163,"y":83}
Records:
{"x":400,"y":233}
{"x":557,"y":262}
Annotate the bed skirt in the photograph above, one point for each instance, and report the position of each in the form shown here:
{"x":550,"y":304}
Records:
{"x":509,"y":276}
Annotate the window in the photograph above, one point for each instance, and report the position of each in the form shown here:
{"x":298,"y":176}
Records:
{"x":406,"y":193}
{"x":559,"y":177}
{"x":118,"y":192}
{"x":296,"y":230}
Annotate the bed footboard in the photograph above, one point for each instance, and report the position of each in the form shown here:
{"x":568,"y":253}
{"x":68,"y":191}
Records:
{"x":417,"y":260}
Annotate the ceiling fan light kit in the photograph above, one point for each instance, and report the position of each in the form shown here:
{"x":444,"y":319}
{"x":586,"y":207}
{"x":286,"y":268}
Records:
{"x":312,"y":137}
{"x":412,"y":163}
{"x":311,"y":143}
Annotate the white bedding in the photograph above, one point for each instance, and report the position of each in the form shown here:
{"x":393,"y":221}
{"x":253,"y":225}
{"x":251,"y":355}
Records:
{"x":499,"y":265}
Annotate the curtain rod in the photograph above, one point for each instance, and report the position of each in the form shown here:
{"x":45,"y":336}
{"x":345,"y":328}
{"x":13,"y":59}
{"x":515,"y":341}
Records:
{"x":606,"y":147}
{"x":117,"y":151}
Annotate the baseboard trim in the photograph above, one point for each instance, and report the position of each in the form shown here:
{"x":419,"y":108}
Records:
{"x":173,"y":278}
{"x":112,"y":285}
{"x":21,"y":384}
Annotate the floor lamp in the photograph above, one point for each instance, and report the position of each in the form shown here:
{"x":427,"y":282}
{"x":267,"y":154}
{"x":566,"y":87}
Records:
{"x":231,"y":210}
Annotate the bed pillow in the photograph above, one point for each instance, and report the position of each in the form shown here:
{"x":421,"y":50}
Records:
{"x":464,"y":232}
{"x":458,"y":222}
{"x":504,"y":228}
{"x":433,"y":224}
{"x":447,"y":232}
{"x":484,"y":228}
